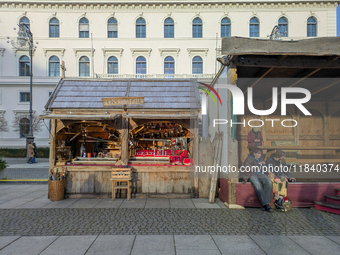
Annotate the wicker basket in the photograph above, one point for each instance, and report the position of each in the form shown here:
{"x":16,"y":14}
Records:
{"x":56,"y":190}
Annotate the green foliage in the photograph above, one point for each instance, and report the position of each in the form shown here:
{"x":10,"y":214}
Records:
{"x":3,"y":164}
{"x":21,"y":153}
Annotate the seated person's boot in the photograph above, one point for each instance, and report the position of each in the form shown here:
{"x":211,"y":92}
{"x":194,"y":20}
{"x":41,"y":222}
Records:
{"x":279,"y":206}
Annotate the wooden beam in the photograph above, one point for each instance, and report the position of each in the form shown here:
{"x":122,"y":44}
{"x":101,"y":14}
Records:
{"x":305,"y":75}
{"x":125,"y":141}
{"x":297,"y":63}
{"x":194,"y":150}
{"x":52,"y":145}
{"x":323,"y":87}
{"x":163,"y":116}
{"x":78,"y":117}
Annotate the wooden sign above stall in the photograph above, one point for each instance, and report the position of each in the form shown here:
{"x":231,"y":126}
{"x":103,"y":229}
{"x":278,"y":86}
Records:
{"x":111,"y":101}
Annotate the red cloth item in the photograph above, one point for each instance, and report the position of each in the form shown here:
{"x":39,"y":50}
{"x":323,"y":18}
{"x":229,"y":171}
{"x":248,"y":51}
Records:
{"x":251,"y":138}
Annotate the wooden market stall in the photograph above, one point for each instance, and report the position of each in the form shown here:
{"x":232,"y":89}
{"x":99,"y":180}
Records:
{"x":312,"y":64}
{"x":151,"y":126}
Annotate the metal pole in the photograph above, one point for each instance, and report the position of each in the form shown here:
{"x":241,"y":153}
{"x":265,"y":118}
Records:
{"x":30,"y":137}
{"x":30,"y":133}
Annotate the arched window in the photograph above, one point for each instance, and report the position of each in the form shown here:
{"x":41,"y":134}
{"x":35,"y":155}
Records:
{"x":169,"y":28}
{"x":225,"y":27}
{"x":140,"y":65}
{"x":112,"y":28}
{"x":54,"y":66}
{"x":283,"y":26}
{"x":25,"y":20}
{"x":84,"y":67}
{"x":24,"y":126}
{"x":84,"y":28}
{"x":197,"y":65}
{"x":112,"y":65}
{"x":140,"y":28}
{"x":311,"y":27}
{"x":169,"y":65}
{"x":54,"y":27}
{"x":197,"y":28}
{"x":24,"y":63}
{"x":254,"y":27}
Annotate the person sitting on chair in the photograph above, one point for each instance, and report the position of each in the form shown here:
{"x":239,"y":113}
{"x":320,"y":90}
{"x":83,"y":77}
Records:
{"x":260,"y":181}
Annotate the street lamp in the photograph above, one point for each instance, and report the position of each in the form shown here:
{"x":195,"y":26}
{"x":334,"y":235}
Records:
{"x":25,"y":42}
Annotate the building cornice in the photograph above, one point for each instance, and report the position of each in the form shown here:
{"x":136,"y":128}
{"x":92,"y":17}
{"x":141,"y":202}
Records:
{"x":113,"y":51}
{"x":104,"y":5}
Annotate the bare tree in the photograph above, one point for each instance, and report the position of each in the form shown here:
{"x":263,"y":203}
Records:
{"x":3,"y":125}
{"x":19,"y":125}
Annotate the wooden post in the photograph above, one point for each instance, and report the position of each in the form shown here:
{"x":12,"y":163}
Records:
{"x":52,"y":145}
{"x":326,"y":141}
{"x":233,"y":154}
{"x":217,"y":161}
{"x":194,"y":135}
{"x":125,"y":141}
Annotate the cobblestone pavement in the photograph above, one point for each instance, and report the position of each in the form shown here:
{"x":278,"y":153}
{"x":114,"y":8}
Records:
{"x":134,"y":221}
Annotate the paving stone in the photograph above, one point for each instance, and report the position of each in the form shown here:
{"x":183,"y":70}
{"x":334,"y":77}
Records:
{"x":61,"y":204}
{"x":153,"y":245}
{"x":197,"y":252}
{"x":317,"y":244}
{"x":334,"y":239}
{"x":239,"y":244}
{"x":196,"y":242}
{"x":29,"y":245}
{"x":85,"y":203}
{"x":276,"y":245}
{"x":70,"y":245}
{"x":108,"y":203}
{"x":5,"y":240}
{"x":134,"y":203}
{"x":157,"y":203}
{"x":181,"y":203}
{"x":118,"y":245}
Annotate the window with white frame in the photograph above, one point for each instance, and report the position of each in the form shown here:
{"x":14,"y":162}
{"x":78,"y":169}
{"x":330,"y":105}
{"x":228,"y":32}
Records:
{"x":25,"y":97}
{"x":54,"y":66}
{"x":283,"y":26}
{"x":84,"y":66}
{"x":24,"y":66}
{"x":311,"y":27}
{"x":24,"y":126}
{"x":197,"y":28}
{"x":140,"y":65}
{"x":84,"y":28}
{"x":112,"y":28}
{"x":112,"y":65}
{"x":169,"y":28}
{"x":254,"y":27}
{"x":169,"y":65}
{"x":54,"y":27}
{"x":197,"y":65}
{"x":24,"y":20}
{"x":140,"y":28}
{"x":225,"y":27}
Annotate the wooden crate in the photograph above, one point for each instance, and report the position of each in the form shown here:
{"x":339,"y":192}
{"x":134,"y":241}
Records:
{"x":121,"y":173}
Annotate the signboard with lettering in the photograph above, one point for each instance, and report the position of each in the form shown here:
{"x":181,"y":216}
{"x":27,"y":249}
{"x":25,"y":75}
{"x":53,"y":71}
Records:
{"x":112,"y":101}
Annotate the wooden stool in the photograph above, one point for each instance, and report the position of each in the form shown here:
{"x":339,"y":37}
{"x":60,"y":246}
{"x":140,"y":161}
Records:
{"x":117,"y":185}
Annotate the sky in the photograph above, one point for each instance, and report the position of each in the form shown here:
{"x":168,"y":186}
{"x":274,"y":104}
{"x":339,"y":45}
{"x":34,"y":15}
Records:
{"x":338,"y":20}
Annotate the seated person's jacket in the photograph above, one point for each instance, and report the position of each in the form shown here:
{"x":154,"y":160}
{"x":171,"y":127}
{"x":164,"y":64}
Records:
{"x":272,"y":162}
{"x":251,"y":162}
